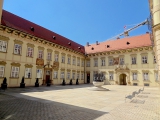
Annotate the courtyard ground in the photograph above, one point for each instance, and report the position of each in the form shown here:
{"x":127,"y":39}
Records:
{"x":79,"y":102}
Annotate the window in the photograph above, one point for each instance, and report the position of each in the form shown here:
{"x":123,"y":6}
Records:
{"x":74,"y":61}
{"x":56,"y":57}
{"x":15,"y":72}
{"x":17,"y":49}
{"x":146,"y":84}
{"x":121,"y":61}
{"x":77,"y":75}
{"x":156,"y":76}
{"x":40,"y":54}
{"x":39,"y":73}
{"x":145,"y":76}
{"x":30,"y":52}
{"x":134,"y":75}
{"x":96,"y":63}
{"x":82,"y":63}
{"x":49,"y":56}
{"x":69,"y":60}
{"x":135,"y":84}
{"x":88,"y":64}
{"x":3,"y":46}
{"x":133,"y":60}
{"x":111,"y":76}
{"x":62,"y":75}
{"x":78,"y":62}
{"x":1,"y":71}
{"x":110,"y":61}
{"x":73,"y":75}
{"x":155,"y":60}
{"x":82,"y":76}
{"x":103,"y":62}
{"x":68,"y":75}
{"x":63,"y":59}
{"x":144,"y":59}
{"x":28,"y":73}
{"x":55,"y":76}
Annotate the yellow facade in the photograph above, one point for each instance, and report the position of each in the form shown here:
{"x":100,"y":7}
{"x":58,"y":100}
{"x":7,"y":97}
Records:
{"x":9,"y":59}
{"x":155,"y":12}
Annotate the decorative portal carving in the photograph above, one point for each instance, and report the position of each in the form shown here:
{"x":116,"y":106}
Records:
{"x":116,"y":60}
{"x":3,"y":63}
{"x":39,"y":61}
{"x":55,"y":65}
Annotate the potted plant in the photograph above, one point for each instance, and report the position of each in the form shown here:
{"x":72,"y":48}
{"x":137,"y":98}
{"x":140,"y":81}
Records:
{"x":37,"y":83}
{"x":98,"y":80}
{"x":70,"y":82}
{"x":77,"y":83}
{"x":22,"y":84}
{"x":63,"y":83}
{"x":4,"y":84}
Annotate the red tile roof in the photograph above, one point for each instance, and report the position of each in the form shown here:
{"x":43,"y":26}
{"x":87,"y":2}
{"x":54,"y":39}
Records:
{"x":119,"y":44}
{"x":18,"y":23}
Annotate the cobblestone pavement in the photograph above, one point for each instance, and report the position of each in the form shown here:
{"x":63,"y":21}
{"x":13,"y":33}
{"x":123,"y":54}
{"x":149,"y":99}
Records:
{"x":79,"y":103}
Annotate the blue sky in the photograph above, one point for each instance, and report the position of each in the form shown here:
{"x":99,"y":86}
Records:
{"x":83,"y":20}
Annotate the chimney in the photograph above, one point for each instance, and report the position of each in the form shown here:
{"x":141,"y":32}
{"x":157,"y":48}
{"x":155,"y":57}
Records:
{"x":147,"y":32}
{"x":1,"y":8}
{"x":96,"y":42}
{"x":87,"y":43}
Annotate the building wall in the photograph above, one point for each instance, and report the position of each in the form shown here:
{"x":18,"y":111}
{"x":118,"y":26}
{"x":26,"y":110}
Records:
{"x":128,"y":68}
{"x":155,"y":11}
{"x":9,"y":59}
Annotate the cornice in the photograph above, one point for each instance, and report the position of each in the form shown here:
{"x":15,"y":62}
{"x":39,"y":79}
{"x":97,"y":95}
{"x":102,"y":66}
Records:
{"x":36,"y":39}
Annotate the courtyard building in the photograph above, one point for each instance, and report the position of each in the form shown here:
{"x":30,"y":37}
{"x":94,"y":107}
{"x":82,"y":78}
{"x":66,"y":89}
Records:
{"x":29,"y":50}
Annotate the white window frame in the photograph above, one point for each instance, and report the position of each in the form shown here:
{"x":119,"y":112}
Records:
{"x":73,"y":75}
{"x":96,"y":63}
{"x":121,"y":61}
{"x":15,"y":72}
{"x":78,"y":62}
{"x":144,"y":60}
{"x":2,"y":69}
{"x":49,"y":55}
{"x":134,"y":60}
{"x":69,"y":60}
{"x":134,"y":76}
{"x":27,"y":72}
{"x":82,"y":76}
{"x":17,"y":49}
{"x":111,"y":76}
{"x":3,"y":46}
{"x":39,"y":73}
{"x":156,"y":76}
{"x":56,"y":57}
{"x":40,"y":54}
{"x":29,"y":52}
{"x":74,"y":61}
{"x":103,"y":62}
{"x":63,"y":59}
{"x":82,"y":63}
{"x":146,"y":76}
{"x":55,"y":74}
{"x":110,"y":61}
{"x":68,"y":75}
{"x":62,"y":74}
{"x":88,"y":64}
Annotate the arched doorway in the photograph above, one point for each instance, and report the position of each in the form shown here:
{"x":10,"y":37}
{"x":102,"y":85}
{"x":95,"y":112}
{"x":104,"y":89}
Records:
{"x":122,"y":79}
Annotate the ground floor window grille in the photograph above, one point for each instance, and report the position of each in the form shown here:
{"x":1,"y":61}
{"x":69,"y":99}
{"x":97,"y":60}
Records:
{"x":110,"y":76}
{"x":39,"y":73}
{"x":73,"y":75}
{"x":62,"y":75}
{"x":134,"y":76}
{"x":82,"y":76}
{"x":145,"y":76}
{"x":1,"y":71}
{"x":68,"y":75}
{"x":28,"y":73}
{"x":15,"y":72}
{"x":55,"y":76}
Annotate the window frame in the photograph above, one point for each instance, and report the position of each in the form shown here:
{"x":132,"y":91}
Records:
{"x":103,"y":61}
{"x":144,"y":59}
{"x":16,"y":49}
{"x":6,"y":45}
{"x":134,"y":76}
{"x":110,"y":62}
{"x":63,"y":59}
{"x":95,"y":62}
{"x":13,"y":73}
{"x":55,"y":75}
{"x":111,"y":76}
{"x":28,"y":73}
{"x":145,"y":75}
{"x":40,"y":54}
{"x":1,"y":76}
{"x":134,"y":60}
{"x":62,"y":74}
